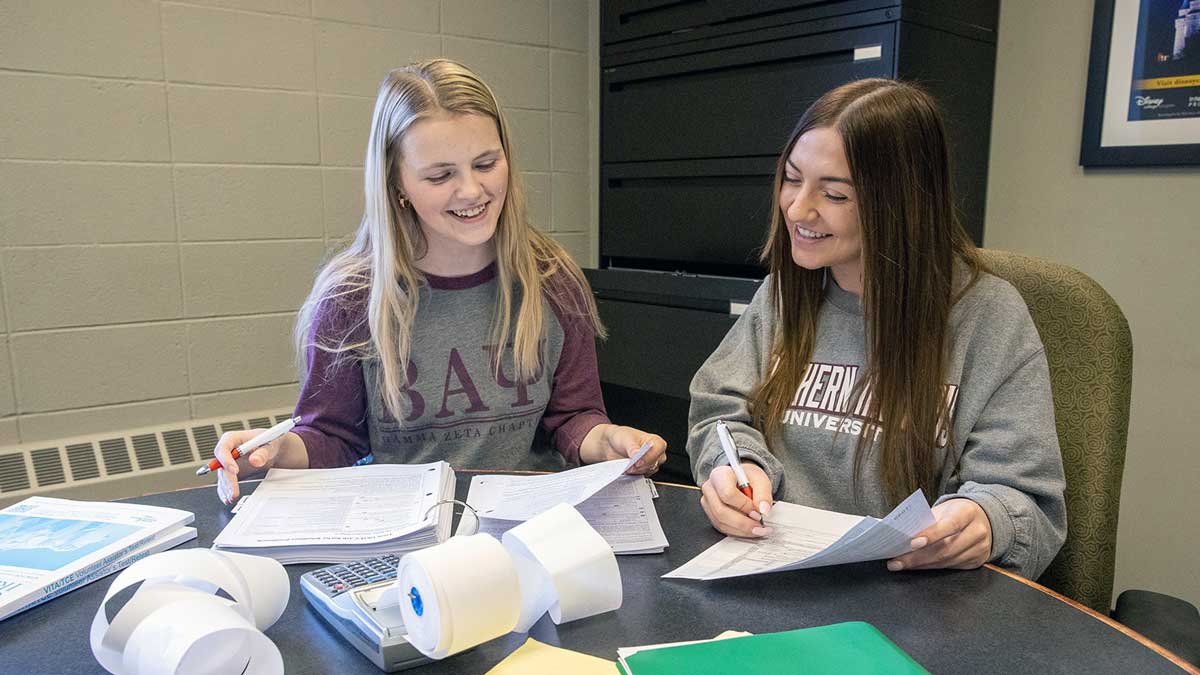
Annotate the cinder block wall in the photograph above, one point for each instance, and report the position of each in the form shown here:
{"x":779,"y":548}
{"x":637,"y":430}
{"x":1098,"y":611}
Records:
{"x":172,"y":173}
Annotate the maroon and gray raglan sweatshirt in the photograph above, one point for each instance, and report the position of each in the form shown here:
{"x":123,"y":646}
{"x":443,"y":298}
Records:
{"x":456,"y":406}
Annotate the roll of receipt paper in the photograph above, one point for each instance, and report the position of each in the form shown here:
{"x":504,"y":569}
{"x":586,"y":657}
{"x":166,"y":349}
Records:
{"x":469,"y":590}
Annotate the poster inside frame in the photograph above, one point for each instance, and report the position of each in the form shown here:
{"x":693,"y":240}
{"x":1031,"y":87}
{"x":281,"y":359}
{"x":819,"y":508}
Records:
{"x":1143,"y":91}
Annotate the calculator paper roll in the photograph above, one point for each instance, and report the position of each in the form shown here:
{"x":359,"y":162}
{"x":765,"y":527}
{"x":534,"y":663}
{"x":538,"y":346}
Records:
{"x":565,"y":566}
{"x":468,"y":592}
{"x":473,"y":589}
{"x":174,"y":622}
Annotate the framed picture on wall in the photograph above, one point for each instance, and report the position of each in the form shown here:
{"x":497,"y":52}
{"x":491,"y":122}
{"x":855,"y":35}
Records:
{"x":1143,"y":89}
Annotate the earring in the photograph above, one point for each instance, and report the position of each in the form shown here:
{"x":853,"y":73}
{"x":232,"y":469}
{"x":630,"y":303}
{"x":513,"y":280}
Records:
{"x":403,"y":202}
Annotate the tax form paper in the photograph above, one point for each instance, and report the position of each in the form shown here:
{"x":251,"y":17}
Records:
{"x":619,"y":507}
{"x":806,"y":537}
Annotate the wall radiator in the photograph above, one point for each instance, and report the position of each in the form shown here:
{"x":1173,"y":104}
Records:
{"x":118,"y":465}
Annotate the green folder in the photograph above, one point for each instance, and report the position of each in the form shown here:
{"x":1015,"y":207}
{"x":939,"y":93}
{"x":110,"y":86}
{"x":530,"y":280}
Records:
{"x":851,"y":647}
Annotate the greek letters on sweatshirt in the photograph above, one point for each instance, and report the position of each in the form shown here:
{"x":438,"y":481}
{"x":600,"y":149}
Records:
{"x":1005,"y":454}
{"x":457,"y":407}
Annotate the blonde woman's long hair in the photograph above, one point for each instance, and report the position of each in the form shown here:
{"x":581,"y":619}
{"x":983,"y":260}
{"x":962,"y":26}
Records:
{"x":380,"y":262}
{"x":912,"y":240}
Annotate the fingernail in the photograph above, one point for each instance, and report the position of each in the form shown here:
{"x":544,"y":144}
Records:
{"x":764,"y":508}
{"x":754,"y":515}
{"x":759,"y":532}
{"x":895,"y":565}
{"x":919,"y":542}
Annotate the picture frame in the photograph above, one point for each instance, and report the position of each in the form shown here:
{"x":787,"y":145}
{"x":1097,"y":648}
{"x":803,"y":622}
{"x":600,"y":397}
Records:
{"x":1143,"y":88}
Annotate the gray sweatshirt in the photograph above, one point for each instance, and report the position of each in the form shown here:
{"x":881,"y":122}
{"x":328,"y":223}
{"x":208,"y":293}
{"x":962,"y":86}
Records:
{"x":457,"y":407}
{"x":1005,"y":454}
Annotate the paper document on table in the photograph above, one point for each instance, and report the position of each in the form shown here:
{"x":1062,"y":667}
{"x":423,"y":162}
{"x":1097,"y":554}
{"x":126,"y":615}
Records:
{"x":622,"y":512}
{"x":523,"y":497}
{"x":806,"y":537}
{"x":324,"y":515}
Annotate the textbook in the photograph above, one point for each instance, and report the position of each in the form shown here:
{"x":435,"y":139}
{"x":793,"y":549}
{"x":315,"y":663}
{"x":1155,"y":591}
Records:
{"x":343,"y":515}
{"x":51,"y":546}
{"x":851,"y":647}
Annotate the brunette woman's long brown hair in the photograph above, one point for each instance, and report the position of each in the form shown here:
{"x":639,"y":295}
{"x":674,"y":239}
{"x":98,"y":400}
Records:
{"x":912,"y":240}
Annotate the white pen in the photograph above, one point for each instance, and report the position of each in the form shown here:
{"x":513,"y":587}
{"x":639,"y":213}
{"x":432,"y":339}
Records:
{"x":253,"y":444}
{"x":735,"y":461}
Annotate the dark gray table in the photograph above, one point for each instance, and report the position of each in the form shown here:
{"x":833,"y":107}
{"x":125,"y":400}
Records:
{"x":981,"y":621}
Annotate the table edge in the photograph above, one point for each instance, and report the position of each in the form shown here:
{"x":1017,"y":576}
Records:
{"x":1112,"y":623}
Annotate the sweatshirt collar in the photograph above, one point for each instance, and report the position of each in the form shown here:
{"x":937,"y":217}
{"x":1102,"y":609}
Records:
{"x":459,"y":283}
{"x":842,"y":299}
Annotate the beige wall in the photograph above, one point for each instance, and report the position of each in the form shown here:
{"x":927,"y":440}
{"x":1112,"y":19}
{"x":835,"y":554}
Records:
{"x":1137,"y":232}
{"x":173,"y":172}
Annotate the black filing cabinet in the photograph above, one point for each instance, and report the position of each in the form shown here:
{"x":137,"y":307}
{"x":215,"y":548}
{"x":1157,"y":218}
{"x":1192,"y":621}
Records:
{"x":697,"y":100}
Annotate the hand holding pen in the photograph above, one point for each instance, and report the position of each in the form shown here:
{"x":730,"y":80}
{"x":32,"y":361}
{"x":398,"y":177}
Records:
{"x":259,"y":448}
{"x":736,"y":498}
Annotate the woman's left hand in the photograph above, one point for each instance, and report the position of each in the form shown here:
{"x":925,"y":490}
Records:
{"x":961,"y":539}
{"x":608,"y":441}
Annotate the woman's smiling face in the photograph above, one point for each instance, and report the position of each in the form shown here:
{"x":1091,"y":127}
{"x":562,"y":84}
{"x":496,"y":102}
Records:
{"x":454,"y":172}
{"x":820,"y":207}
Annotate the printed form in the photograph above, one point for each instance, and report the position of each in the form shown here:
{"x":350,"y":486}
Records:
{"x":619,"y":507}
{"x":806,"y":537}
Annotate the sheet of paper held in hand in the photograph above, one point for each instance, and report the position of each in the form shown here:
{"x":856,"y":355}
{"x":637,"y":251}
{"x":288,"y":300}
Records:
{"x":351,"y":505}
{"x":523,"y":497}
{"x":807,"y":537}
{"x":622,"y":512}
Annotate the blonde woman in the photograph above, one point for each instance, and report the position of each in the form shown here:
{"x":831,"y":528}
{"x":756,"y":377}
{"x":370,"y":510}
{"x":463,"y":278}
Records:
{"x":880,"y":357}
{"x":451,"y":328}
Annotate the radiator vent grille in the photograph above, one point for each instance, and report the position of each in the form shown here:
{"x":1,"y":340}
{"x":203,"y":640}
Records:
{"x":82,"y":458}
{"x":206,"y":437}
{"x":12,"y":473}
{"x":145,"y":448}
{"x":116,"y":456}
{"x":179,"y":448}
{"x":48,"y":466}
{"x":34,"y":467}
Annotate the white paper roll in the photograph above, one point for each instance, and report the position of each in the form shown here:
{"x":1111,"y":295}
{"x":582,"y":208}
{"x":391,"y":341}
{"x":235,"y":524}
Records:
{"x":469,"y":590}
{"x":174,"y":623}
{"x":457,"y":595}
{"x":577,"y":564}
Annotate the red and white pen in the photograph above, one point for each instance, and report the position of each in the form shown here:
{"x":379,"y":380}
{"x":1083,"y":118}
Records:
{"x":253,"y":444}
{"x":735,"y":460}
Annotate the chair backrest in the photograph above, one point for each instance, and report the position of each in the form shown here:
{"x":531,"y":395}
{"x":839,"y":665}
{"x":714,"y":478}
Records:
{"x":1090,"y":353}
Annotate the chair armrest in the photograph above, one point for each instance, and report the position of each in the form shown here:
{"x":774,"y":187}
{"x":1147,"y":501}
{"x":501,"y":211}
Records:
{"x":1169,"y":621}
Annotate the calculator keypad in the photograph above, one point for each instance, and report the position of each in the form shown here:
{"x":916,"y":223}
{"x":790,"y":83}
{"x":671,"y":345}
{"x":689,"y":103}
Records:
{"x":337,"y":579}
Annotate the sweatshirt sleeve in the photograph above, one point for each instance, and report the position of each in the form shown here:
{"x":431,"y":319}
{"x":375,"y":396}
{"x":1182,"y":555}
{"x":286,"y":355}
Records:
{"x":1012,"y":468}
{"x":333,"y":400}
{"x":721,"y":390}
{"x":576,"y":404}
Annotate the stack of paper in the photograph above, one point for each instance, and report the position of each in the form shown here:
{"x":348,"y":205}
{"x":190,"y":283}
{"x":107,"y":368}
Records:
{"x":49,"y":546}
{"x":619,"y":507}
{"x":807,"y":537}
{"x":342,"y":515}
{"x":852,"y":647}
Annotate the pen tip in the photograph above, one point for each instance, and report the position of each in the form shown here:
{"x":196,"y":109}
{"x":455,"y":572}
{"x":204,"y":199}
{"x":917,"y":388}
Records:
{"x":201,"y":471}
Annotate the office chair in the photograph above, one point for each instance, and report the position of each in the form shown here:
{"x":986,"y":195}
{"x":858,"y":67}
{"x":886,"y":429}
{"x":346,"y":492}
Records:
{"x":1090,"y":353}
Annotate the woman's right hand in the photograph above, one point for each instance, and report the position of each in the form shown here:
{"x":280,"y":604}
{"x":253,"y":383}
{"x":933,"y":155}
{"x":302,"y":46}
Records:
{"x":259,"y":460}
{"x":732,"y":512}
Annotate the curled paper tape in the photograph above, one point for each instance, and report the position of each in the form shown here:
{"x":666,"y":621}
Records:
{"x":469,"y":590}
{"x":561,"y":559}
{"x":174,"y":622}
